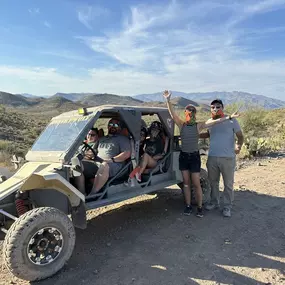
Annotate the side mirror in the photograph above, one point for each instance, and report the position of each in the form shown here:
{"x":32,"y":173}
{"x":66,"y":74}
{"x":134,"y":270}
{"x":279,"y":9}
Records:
{"x":17,"y":161}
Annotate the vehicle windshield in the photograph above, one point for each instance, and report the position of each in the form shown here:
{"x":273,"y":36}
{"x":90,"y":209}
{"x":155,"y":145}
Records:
{"x":59,"y":136}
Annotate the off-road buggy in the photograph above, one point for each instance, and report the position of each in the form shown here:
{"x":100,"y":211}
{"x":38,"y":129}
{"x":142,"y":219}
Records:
{"x":40,"y":205}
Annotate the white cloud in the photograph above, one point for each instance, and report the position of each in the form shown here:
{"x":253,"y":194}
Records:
{"x":194,"y":75}
{"x":66,"y":54}
{"x":264,"y":6}
{"x":87,"y":14}
{"x":186,"y":48}
{"x":201,"y":40}
{"x":246,"y":9}
{"x":34,"y":11}
{"x":47,"y":24}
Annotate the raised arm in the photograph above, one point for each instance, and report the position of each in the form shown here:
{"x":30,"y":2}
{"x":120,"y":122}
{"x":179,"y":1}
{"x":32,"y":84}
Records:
{"x":211,"y":122}
{"x":177,"y":120}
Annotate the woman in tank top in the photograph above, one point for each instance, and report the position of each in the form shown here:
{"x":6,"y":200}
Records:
{"x":189,"y":159}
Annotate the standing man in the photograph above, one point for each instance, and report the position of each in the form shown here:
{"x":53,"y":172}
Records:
{"x":222,"y":157}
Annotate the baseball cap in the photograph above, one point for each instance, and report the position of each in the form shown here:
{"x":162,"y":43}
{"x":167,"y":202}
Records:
{"x":217,"y":101}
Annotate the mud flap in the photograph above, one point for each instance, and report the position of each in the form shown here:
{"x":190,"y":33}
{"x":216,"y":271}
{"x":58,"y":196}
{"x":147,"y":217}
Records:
{"x":78,"y":215}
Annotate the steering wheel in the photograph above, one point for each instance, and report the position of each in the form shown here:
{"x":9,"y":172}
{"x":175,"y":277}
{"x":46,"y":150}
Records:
{"x":90,"y":148}
{"x":96,"y":157}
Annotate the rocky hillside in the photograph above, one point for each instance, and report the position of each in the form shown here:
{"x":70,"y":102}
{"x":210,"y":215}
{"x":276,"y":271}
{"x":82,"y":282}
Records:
{"x":71,"y":101}
{"x":13,"y":100}
{"x":56,"y":104}
{"x":73,"y":96}
{"x":179,"y":103}
{"x":59,"y":101}
{"x":205,"y":98}
{"x":18,"y":130}
{"x":101,"y":99}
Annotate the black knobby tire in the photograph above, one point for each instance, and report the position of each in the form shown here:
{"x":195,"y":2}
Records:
{"x":17,"y":239}
{"x":205,"y":184}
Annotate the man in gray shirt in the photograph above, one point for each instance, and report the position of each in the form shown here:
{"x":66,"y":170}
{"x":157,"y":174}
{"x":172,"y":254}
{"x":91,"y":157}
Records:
{"x":114,"y":149}
{"x":222,"y":157}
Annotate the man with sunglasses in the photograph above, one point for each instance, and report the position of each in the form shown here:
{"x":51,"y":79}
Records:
{"x":222,"y":157}
{"x":114,"y":149}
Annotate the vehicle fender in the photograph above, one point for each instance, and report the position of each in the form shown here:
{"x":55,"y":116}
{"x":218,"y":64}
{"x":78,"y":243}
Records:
{"x":53,"y":181}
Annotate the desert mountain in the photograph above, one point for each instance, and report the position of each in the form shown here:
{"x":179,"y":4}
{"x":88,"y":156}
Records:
{"x":55,"y":102}
{"x":13,"y":100}
{"x":101,"y":99}
{"x":58,"y":103}
{"x":73,"y":96}
{"x":179,"y":103}
{"x":227,"y":97}
{"x":180,"y":99}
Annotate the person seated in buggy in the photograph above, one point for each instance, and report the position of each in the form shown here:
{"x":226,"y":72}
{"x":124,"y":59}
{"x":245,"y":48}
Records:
{"x":113,"y":149}
{"x":89,"y":166}
{"x":154,"y":149}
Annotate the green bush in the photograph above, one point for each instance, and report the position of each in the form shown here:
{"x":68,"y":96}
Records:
{"x":253,"y":122}
{"x":264,"y":131}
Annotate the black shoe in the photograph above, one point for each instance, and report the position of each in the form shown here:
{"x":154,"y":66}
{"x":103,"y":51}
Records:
{"x":188,"y":210}
{"x":200,"y":212}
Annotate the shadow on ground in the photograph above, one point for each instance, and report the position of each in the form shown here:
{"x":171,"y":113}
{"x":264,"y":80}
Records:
{"x":151,"y":242}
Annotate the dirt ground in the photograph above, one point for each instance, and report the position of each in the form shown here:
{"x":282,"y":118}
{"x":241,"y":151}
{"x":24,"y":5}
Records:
{"x":148,"y":241}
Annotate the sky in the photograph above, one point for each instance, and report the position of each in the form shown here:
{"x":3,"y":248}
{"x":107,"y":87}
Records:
{"x":133,"y":47}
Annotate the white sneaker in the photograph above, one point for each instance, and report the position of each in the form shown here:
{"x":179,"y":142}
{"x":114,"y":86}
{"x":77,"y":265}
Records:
{"x":138,"y":177}
{"x":227,"y":212}
{"x":210,"y":207}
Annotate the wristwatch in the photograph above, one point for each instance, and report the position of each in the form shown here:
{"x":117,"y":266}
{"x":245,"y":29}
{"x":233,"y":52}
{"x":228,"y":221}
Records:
{"x":113,"y":159}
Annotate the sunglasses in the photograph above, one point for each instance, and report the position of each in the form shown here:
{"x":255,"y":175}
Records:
{"x":113,"y":125}
{"x":92,"y":135}
{"x":216,"y":107}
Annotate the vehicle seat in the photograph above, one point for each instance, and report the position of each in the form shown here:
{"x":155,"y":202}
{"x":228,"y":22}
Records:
{"x":101,"y":133}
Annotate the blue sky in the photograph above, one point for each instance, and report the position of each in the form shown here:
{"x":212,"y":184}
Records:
{"x":132,"y":47}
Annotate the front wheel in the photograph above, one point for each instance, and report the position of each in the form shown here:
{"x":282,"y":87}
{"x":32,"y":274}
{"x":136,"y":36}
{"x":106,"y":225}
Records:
{"x":205,"y":185}
{"x":39,"y":243}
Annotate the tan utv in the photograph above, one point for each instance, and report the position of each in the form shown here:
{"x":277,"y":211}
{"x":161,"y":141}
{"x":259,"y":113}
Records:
{"x":40,"y":207}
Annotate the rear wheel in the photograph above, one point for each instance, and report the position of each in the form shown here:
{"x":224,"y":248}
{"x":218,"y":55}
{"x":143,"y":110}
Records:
{"x":39,"y":243}
{"x":205,"y":184}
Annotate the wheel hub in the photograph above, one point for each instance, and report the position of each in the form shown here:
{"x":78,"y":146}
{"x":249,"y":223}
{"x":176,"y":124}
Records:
{"x":45,"y":246}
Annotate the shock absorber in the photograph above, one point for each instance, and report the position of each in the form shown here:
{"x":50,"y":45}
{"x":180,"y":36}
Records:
{"x":21,"y":203}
